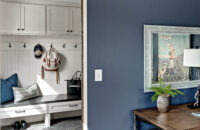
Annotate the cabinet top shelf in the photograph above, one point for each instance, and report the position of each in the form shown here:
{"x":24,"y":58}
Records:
{"x":69,"y":3}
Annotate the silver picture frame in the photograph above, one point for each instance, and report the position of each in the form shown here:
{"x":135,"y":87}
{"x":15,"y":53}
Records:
{"x":149,"y":30}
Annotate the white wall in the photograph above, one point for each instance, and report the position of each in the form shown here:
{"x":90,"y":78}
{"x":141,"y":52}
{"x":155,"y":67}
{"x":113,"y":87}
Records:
{"x":22,"y":61}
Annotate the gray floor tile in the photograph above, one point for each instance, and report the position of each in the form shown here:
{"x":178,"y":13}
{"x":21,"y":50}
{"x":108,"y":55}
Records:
{"x":60,"y":124}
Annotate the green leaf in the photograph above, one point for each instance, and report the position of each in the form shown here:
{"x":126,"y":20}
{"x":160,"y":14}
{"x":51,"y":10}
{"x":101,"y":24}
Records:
{"x":164,"y":89}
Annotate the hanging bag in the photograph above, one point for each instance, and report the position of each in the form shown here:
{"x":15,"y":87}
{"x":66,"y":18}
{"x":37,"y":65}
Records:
{"x":76,"y":80}
{"x":51,"y":62}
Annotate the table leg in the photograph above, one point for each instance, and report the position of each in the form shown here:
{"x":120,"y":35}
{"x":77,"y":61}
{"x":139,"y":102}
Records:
{"x":47,"y":120}
{"x":135,"y":122}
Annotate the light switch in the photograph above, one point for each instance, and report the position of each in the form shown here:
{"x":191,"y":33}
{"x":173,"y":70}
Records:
{"x":98,"y":75}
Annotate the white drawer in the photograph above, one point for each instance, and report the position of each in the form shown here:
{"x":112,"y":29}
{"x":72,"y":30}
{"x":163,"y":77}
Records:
{"x":64,"y":106}
{"x":23,"y":111}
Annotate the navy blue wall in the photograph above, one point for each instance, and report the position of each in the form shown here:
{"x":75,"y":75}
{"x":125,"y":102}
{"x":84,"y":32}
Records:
{"x":115,"y":44}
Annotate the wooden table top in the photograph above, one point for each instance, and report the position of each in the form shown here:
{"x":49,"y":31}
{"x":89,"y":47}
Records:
{"x":178,"y":118}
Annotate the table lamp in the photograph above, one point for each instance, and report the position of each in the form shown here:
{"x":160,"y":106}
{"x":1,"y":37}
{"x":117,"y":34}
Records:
{"x":191,"y":58}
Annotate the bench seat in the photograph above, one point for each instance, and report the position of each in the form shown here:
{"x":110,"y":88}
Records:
{"x":43,"y":100}
{"x":45,"y":105}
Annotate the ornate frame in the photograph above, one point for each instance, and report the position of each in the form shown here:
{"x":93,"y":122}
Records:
{"x":148,"y":53}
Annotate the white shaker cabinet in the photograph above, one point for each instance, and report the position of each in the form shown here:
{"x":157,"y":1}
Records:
{"x":63,"y":20}
{"x":57,"y":20}
{"x":9,"y":17}
{"x":33,"y":19}
{"x":75,"y":20}
{"x":21,"y":18}
{"x":16,"y":18}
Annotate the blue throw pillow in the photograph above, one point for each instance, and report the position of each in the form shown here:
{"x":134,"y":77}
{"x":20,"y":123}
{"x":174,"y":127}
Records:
{"x":6,"y":88}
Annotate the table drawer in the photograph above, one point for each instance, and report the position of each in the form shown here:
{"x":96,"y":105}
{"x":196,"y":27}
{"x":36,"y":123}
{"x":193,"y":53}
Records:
{"x":23,"y":111}
{"x":64,"y":106}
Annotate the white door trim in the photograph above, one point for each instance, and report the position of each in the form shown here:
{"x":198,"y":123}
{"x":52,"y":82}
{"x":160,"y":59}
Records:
{"x":85,"y":96}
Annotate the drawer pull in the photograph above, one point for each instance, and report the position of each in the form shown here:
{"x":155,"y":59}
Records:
{"x":73,"y":105}
{"x":20,"y":111}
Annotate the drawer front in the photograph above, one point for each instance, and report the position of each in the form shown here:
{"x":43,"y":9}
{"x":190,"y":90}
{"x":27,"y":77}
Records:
{"x":64,"y":106}
{"x":23,"y":111}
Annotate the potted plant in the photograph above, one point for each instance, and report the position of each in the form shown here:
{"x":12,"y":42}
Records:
{"x":162,"y":95}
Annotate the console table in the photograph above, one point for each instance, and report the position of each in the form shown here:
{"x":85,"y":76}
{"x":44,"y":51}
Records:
{"x":178,"y":118}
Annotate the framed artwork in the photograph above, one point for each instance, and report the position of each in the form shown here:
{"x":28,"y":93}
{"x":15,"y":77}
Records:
{"x":170,"y":57}
{"x":163,"y":55}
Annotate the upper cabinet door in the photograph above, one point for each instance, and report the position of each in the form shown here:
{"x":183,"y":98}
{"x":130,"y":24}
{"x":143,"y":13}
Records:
{"x":9,"y":17}
{"x":75,"y":20}
{"x":33,"y":19}
{"x":57,"y":20}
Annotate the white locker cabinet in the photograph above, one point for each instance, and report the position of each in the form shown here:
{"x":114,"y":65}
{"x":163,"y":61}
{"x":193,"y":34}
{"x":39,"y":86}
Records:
{"x":33,"y":18}
{"x":63,"y":20}
{"x":9,"y":17}
{"x":22,"y":18}
{"x":75,"y":20}
{"x":57,"y":20}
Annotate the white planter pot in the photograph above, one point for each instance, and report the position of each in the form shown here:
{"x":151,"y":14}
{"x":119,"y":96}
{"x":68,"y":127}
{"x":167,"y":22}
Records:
{"x":163,"y":103}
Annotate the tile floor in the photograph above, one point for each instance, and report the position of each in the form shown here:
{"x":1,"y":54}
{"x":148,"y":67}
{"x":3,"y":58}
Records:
{"x":73,"y":123}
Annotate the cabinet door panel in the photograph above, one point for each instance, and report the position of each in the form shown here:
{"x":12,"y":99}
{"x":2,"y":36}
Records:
{"x":57,"y":20}
{"x":75,"y":20}
{"x":33,"y":18}
{"x":9,"y":17}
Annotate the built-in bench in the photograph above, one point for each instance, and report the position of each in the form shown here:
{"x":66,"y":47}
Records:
{"x":41,"y":105}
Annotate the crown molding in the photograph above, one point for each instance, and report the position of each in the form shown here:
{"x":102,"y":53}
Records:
{"x":71,"y":3}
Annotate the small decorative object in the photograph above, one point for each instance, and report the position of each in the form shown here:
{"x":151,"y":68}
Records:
{"x":37,"y":50}
{"x":51,"y":62}
{"x":162,"y":95}
{"x":197,"y":97}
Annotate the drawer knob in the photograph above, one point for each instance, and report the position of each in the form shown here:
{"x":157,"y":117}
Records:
{"x":73,"y":105}
{"x":20,"y":111}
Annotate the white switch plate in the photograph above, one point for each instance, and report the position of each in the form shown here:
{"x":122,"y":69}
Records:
{"x":98,"y":75}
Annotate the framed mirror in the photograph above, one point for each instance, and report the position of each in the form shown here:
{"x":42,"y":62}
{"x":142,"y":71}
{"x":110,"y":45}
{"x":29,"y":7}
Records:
{"x":164,"y":48}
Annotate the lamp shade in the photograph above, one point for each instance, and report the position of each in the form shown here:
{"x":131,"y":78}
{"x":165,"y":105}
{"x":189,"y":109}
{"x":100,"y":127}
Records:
{"x":191,"y":57}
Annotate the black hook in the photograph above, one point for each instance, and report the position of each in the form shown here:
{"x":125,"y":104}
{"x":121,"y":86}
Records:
{"x":24,"y":45}
{"x":76,"y":46}
{"x":10,"y":45}
{"x":63,"y":45}
{"x":51,"y":45}
{"x":197,"y":47}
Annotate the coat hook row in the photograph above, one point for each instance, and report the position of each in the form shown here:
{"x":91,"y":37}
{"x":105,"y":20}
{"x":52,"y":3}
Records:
{"x":10,"y":45}
{"x":51,"y":46}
